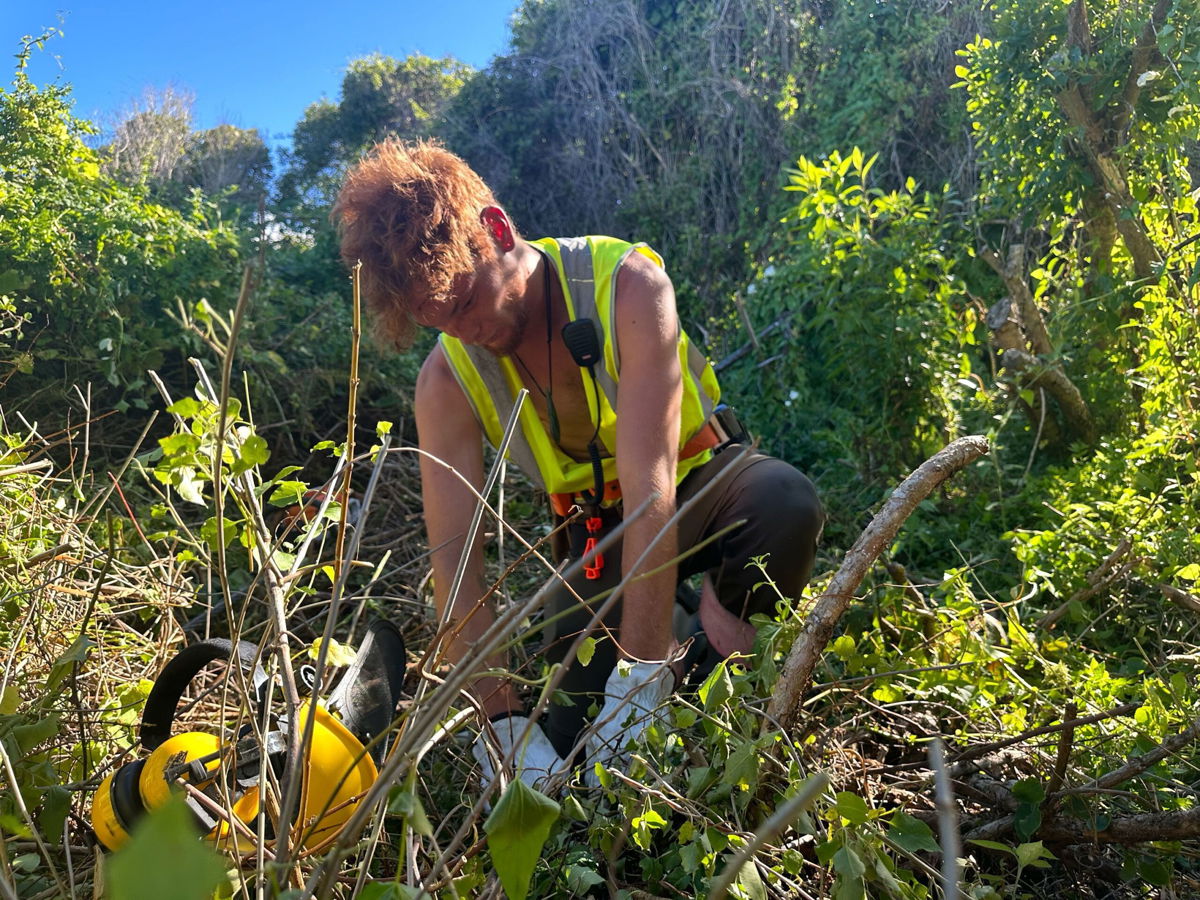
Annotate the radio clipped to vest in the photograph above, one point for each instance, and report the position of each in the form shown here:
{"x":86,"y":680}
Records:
{"x":221,"y":777}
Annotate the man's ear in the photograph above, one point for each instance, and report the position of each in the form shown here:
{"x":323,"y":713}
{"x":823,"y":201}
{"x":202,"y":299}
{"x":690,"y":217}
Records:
{"x":499,"y":226}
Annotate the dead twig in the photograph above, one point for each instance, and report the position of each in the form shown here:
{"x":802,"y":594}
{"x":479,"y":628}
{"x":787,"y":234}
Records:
{"x":947,"y":813}
{"x":818,"y":628}
{"x":1098,"y":579}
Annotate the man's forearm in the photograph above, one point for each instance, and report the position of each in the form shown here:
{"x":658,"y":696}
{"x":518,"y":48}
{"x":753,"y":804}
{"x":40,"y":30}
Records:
{"x":647,"y":600}
{"x":469,"y":621}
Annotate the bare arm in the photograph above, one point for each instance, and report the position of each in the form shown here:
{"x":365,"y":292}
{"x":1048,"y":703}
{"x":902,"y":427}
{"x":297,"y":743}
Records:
{"x":648,"y":448}
{"x":447,"y":432}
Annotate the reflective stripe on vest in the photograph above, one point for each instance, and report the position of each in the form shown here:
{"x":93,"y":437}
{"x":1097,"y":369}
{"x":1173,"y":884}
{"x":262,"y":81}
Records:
{"x":587,"y":270}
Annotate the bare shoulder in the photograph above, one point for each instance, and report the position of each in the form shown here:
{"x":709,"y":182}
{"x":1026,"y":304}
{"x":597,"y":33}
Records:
{"x":640,"y":274}
{"x":438,"y":391}
{"x":436,"y":376}
{"x":644,"y":294}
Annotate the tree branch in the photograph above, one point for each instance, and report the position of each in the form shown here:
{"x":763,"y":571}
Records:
{"x":818,"y":628}
{"x":1170,"y":826}
{"x":1143,"y":54}
{"x":1076,"y":415}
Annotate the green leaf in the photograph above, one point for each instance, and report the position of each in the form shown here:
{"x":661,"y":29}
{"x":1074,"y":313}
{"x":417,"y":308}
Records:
{"x":165,"y":858}
{"x":742,"y":766}
{"x":336,"y":655}
{"x":404,"y":801}
{"x":389,"y":890}
{"x":586,"y":651}
{"x":1026,"y":820}
{"x":56,"y":803}
{"x":1029,"y":790}
{"x":911,"y":834}
{"x":847,"y":862}
{"x":77,"y":653}
{"x":10,"y":700}
{"x":717,"y":688}
{"x":751,"y":882}
{"x":28,"y":736}
{"x":190,"y":487}
{"x":852,"y":808}
{"x":517,"y":829}
{"x":1190,"y":572}
{"x":844,"y":647}
{"x":991,"y":845}
{"x":208,"y":531}
{"x":1028,"y":853}
{"x":187,"y":408}
{"x":580,"y":878}
{"x":254,"y":451}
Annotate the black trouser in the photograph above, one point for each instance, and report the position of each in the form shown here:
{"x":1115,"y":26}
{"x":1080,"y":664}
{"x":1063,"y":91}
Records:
{"x":783,"y":521}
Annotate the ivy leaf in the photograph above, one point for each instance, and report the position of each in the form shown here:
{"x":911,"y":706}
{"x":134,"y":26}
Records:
{"x":165,"y":858}
{"x":847,"y":862}
{"x":751,"y":882}
{"x":580,"y":878}
{"x":517,"y":829}
{"x":1029,"y":853}
{"x":1027,"y":820}
{"x":254,"y":452}
{"x":852,"y":808}
{"x":586,"y":651}
{"x":189,"y":486}
{"x":717,"y":688}
{"x":1191,"y":571}
{"x":911,"y":834}
{"x":1029,"y":790}
{"x":10,"y":700}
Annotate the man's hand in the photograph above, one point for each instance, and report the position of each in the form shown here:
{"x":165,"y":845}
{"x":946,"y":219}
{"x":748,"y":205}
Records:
{"x":632,"y":695}
{"x":534,"y":760}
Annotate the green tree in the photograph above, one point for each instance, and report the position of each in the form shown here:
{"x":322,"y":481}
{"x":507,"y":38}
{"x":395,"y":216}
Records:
{"x":94,"y":264}
{"x":380,"y":96}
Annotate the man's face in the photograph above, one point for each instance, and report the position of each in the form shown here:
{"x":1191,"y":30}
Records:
{"x":484,"y":308}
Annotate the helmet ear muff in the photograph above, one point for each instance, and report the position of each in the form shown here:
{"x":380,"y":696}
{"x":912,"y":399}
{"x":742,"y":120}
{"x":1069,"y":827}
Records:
{"x":117,"y":805}
{"x":126,"y":797}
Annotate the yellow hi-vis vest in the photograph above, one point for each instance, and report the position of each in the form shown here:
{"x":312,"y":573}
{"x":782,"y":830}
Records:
{"x":587,"y":271}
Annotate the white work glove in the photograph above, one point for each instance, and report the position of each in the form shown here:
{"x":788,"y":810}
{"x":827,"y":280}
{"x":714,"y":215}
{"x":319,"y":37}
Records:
{"x":534,"y":761}
{"x":632,"y":695}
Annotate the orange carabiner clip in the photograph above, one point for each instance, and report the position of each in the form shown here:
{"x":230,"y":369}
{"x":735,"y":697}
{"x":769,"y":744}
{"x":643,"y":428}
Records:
{"x":593,"y":572}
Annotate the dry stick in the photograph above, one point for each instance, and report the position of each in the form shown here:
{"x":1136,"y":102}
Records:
{"x":343,"y":554}
{"x":1128,"y":829}
{"x":1138,"y":764}
{"x":351,"y":409}
{"x":243,"y":489}
{"x":1182,"y":599}
{"x":818,"y":627}
{"x":983,"y":749}
{"x":1063,"y":756}
{"x":1170,"y":826}
{"x":947,"y":814}
{"x":26,"y":468}
{"x":1097,"y":579}
{"x":780,"y":819}
{"x":331,"y":616}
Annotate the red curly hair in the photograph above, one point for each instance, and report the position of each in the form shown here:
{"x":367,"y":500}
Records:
{"x":410,"y":213}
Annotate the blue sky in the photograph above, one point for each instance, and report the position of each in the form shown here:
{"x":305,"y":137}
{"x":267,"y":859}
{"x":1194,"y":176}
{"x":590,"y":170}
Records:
{"x":252,"y":64}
